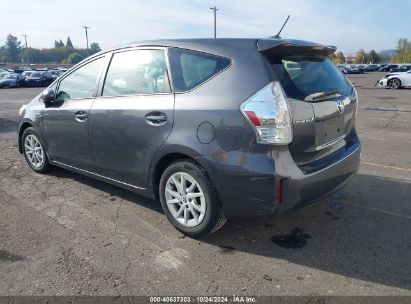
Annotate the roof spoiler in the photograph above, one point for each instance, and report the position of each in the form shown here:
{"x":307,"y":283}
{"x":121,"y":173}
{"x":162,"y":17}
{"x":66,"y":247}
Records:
{"x":266,"y":44}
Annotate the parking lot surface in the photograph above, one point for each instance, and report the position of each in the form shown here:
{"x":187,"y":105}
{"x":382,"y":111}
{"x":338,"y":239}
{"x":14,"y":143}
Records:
{"x":66,"y":234}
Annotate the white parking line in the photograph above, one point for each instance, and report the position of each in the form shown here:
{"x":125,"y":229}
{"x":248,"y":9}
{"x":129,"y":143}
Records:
{"x":387,"y":167}
{"x":378,"y":210}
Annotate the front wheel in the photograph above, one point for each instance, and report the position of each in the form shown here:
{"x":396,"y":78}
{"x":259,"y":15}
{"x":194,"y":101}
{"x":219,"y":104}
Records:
{"x":34,"y":152}
{"x":189,"y":200}
{"x":394,"y":83}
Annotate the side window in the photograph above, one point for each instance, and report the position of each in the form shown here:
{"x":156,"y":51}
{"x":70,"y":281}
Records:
{"x":82,"y":83}
{"x":137,"y":72}
{"x":191,"y":68}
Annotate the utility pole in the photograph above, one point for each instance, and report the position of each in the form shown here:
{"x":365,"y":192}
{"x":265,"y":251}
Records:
{"x":215,"y":9}
{"x":27,"y":50}
{"x":86,"y":28}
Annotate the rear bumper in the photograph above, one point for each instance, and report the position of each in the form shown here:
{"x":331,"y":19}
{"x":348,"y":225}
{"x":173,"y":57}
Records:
{"x":304,"y":188}
{"x":247,"y":180}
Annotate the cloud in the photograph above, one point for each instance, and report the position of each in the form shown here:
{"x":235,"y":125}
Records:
{"x":123,"y":21}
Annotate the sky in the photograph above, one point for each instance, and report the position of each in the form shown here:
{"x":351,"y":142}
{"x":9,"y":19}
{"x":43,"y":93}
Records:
{"x":349,"y":24}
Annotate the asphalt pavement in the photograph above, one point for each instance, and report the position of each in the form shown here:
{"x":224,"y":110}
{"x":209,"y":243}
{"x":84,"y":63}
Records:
{"x":66,"y":234}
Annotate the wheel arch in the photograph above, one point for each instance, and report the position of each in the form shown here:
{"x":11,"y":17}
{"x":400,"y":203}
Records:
{"x":166,"y":159}
{"x":395,"y":78}
{"x":26,"y":124}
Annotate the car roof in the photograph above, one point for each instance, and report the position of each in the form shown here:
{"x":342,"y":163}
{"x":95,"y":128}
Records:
{"x":220,"y":46}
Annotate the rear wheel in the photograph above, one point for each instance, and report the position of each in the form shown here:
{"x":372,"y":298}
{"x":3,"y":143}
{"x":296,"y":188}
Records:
{"x":34,"y":152}
{"x":394,"y":83}
{"x":189,"y":200}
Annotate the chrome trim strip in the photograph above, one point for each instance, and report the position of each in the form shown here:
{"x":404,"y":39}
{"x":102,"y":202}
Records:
{"x":330,"y":143}
{"x":95,"y":174}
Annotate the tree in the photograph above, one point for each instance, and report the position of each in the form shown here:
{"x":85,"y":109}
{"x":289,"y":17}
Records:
{"x":58,"y":44}
{"x":361,"y":56}
{"x":403,"y":51}
{"x":3,"y":56}
{"x":94,"y":48}
{"x":74,"y":58}
{"x":372,"y":57}
{"x":69,"y":43}
{"x":339,"y":58}
{"x":12,"y":48}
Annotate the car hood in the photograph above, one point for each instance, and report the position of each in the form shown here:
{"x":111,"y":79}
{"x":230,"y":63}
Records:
{"x":396,"y":74}
{"x":33,"y":78}
{"x":6,"y":80}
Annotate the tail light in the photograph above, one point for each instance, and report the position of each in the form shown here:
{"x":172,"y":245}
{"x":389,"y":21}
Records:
{"x":269,"y":113}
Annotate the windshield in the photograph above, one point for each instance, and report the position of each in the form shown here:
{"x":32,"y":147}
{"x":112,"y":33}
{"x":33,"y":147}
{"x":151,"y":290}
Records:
{"x":36,"y":75}
{"x":304,"y":74}
{"x":11,"y":77}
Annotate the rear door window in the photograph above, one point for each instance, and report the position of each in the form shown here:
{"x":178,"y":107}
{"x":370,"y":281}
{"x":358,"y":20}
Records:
{"x":305,"y":73}
{"x":191,"y":68}
{"x":137,"y":72}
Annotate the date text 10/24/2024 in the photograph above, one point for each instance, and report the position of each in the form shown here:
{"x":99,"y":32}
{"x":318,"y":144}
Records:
{"x":203,"y":299}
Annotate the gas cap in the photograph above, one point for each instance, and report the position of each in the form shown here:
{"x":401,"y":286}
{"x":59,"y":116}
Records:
{"x":205,"y":132}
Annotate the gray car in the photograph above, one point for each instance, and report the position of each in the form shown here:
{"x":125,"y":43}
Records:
{"x":214,"y":128}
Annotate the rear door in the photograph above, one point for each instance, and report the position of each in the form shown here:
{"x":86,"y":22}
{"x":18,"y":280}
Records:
{"x":322,"y":101}
{"x":133,"y":116}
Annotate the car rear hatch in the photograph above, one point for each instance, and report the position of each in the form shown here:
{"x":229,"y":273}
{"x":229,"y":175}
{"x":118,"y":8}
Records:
{"x":322,"y":101}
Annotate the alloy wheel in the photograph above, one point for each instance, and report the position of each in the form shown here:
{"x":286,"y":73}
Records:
{"x":395,"y":84}
{"x":185,"y":199}
{"x":34,"y":151}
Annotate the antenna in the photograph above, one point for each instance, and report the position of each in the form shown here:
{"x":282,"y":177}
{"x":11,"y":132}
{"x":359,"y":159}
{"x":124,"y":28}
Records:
{"x":278,"y":35}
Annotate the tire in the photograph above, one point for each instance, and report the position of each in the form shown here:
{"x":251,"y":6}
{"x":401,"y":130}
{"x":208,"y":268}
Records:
{"x":29,"y":140}
{"x":195,"y":215}
{"x":394,"y":83}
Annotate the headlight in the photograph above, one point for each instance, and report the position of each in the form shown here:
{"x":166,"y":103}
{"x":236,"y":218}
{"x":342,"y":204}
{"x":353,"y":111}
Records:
{"x":22,"y":109}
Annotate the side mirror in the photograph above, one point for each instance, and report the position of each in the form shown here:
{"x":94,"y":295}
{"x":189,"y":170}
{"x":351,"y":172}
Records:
{"x":48,"y":96}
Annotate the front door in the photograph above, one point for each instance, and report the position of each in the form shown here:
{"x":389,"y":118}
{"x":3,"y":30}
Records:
{"x":133,"y":116}
{"x":66,"y":120}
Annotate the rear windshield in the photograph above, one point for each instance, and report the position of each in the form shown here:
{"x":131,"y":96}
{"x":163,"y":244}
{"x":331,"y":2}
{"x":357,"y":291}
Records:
{"x":303,"y":74}
{"x":189,"y":68}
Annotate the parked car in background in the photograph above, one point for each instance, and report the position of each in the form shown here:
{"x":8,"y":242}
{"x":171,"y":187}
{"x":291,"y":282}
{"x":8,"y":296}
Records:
{"x":371,"y":68}
{"x":27,"y":73}
{"x":55,"y":73}
{"x":403,"y":68}
{"x":4,"y":73}
{"x":18,"y":71}
{"x":388,"y":67}
{"x":39,"y":79}
{"x":354,"y":70}
{"x":342,"y":68}
{"x":24,"y":76}
{"x":11,"y":80}
{"x":188,"y":121}
{"x":396,"y":80}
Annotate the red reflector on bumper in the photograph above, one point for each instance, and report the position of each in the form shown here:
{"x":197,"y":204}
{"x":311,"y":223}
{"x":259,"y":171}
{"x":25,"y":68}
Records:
{"x":279,"y":192}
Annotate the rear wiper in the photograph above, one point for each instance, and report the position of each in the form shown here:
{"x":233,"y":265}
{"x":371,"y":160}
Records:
{"x":321,"y":95}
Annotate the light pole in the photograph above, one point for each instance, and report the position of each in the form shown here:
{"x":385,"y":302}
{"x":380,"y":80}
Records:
{"x":215,"y":9}
{"x":86,"y":28}
{"x":27,"y":50}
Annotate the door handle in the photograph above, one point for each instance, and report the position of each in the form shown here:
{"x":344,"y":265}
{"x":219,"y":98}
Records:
{"x":156,"y":118}
{"x":81,"y":116}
